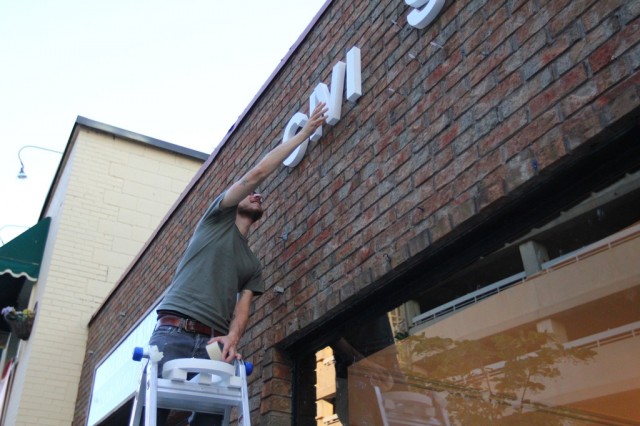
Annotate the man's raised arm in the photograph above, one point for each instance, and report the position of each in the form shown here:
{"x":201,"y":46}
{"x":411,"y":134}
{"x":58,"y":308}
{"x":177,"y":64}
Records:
{"x":270,"y":162}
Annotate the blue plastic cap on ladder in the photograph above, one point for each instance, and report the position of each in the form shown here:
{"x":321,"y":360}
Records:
{"x":138,"y":353}
{"x":248,"y":366}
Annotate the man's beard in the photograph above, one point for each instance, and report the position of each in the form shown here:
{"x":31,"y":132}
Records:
{"x":252,"y":214}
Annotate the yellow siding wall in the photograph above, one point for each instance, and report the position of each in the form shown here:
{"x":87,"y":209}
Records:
{"x":116,"y":195}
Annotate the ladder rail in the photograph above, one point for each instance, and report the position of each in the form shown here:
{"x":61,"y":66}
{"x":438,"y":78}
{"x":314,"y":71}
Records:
{"x":138,"y":400}
{"x":151,"y":395}
{"x":244,"y":415}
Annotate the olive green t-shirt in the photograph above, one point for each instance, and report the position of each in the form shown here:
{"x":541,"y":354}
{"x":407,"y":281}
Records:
{"x":216,"y":266}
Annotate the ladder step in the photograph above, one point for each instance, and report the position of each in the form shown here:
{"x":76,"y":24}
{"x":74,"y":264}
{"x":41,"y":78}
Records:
{"x":187,"y":396}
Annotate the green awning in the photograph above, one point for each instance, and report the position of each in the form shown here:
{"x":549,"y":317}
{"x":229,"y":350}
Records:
{"x":22,"y":256}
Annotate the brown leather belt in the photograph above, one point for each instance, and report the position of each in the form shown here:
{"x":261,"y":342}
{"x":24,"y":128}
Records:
{"x":190,"y":325}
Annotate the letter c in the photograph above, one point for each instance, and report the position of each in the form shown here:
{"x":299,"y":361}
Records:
{"x":295,"y":123}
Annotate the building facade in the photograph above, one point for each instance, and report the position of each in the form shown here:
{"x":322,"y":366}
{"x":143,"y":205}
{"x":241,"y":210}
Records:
{"x":475,"y":192}
{"x":111,"y":191}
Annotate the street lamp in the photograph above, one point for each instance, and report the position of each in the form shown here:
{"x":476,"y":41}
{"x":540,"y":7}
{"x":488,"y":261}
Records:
{"x":21,"y":173}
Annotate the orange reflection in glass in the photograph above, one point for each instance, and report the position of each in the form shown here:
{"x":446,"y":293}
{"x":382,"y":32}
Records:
{"x":523,"y":377}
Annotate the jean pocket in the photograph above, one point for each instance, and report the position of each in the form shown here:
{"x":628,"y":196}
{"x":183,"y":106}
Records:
{"x":162,"y":334}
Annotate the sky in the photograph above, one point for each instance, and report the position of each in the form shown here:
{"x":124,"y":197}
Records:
{"x":181,"y":71}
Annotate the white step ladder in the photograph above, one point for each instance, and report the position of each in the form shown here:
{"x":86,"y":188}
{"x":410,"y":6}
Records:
{"x":216,"y":388}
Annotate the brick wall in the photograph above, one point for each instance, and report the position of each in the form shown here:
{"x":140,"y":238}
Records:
{"x":487,"y":102}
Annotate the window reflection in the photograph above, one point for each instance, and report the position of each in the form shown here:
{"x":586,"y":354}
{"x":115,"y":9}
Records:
{"x":560,"y":348}
{"x":522,"y":376}
{"x":542,"y":331}
{"x":492,"y":381}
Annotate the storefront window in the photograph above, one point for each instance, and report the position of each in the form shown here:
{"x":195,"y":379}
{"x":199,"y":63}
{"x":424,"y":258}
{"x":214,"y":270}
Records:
{"x":118,"y":376}
{"x":556,"y":345}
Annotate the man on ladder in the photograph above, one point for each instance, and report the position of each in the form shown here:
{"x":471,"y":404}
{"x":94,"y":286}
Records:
{"x":210,"y":296}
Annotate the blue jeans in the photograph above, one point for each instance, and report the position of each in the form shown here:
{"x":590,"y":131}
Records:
{"x":175,"y":343}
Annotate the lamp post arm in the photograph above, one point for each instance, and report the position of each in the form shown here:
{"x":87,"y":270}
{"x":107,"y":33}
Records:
{"x":22,"y":174}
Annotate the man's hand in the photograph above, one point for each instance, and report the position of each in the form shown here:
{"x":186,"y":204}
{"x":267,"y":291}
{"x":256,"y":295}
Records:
{"x":229,"y":347}
{"x":316,"y":120}
{"x":237,"y":327}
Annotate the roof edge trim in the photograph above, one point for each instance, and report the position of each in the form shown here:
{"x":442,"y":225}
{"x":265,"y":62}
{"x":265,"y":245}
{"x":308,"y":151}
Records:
{"x":137,"y":137}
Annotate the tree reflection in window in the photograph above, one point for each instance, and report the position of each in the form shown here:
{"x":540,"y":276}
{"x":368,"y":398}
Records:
{"x":494,"y":378}
{"x":493,"y":381}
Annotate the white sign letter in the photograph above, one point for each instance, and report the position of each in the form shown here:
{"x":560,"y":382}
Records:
{"x":296,"y":123}
{"x":421,"y":18}
{"x":354,"y":74}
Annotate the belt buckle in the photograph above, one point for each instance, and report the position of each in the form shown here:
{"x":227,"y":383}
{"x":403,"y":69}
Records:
{"x":188,"y":325}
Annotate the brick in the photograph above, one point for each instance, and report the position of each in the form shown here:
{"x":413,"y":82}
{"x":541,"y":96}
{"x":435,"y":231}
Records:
{"x":463,"y":208}
{"x":620,"y":100}
{"x":280,"y":404}
{"x":501,"y":91}
{"x":549,"y":149}
{"x":578,"y":98}
{"x":615,"y":46}
{"x":276,"y":387}
{"x":599,"y":11}
{"x":525,"y":93}
{"x":492,"y":188}
{"x":490,"y":62}
{"x":563,"y":19}
{"x":497,"y":136}
{"x":477,"y":171}
{"x":519,"y":170}
{"x":530,"y":133}
{"x":439,"y":225}
{"x":629,"y":11}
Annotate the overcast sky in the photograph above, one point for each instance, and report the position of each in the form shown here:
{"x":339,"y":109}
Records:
{"x":179,"y":71}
